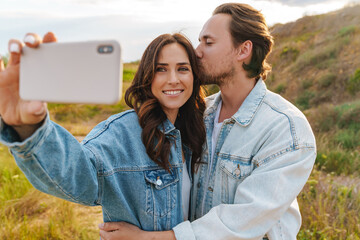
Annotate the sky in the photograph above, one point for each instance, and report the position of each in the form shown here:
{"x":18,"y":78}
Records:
{"x":134,"y":23}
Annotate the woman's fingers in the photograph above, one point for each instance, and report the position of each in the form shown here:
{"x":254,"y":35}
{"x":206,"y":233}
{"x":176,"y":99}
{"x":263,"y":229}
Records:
{"x":2,"y":67}
{"x":49,"y":37}
{"x":33,"y":112}
{"x":32,"y":40}
{"x":15,"y":47}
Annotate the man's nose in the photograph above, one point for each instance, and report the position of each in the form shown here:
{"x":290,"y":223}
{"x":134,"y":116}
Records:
{"x":198,"y":52}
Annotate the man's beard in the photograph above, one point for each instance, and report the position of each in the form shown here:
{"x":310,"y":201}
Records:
{"x":220,"y":79}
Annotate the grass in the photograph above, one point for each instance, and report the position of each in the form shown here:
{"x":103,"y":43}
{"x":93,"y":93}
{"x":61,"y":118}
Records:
{"x":25,"y":213}
{"x":330,"y":206}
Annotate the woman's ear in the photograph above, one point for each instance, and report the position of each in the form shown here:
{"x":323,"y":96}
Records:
{"x":244,"y":51}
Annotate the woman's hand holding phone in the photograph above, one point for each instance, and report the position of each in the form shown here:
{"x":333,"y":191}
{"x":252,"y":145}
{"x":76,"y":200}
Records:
{"x":24,"y":116}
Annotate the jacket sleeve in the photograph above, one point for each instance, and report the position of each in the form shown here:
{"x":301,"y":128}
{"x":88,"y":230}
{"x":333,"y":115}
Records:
{"x":258,"y":204}
{"x":55,"y":162}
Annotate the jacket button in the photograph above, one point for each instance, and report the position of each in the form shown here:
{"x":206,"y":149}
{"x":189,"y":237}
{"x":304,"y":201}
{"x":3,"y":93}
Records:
{"x":210,"y":189}
{"x":198,"y":185}
{"x":158,"y":181}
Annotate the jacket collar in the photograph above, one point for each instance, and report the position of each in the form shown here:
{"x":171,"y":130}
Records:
{"x":166,"y":127}
{"x":248,"y":109}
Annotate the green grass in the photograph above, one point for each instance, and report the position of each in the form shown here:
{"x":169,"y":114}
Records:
{"x":330,"y":206}
{"x":25,"y":213}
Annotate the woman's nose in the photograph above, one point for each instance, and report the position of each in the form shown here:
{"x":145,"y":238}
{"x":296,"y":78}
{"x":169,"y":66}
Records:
{"x":173,"y":78}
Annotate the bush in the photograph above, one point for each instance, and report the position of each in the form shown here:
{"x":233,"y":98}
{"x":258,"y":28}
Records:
{"x":349,"y":117}
{"x":338,"y":161}
{"x":353,"y":84}
{"x":128,"y":75}
{"x":289,"y":53}
{"x":303,"y":101}
{"x":281,"y":88}
{"x":326,"y":80}
{"x":348,"y":30}
{"x":323,"y":118}
{"x":306,"y":84}
{"x":211,"y":89}
{"x":348,"y":138}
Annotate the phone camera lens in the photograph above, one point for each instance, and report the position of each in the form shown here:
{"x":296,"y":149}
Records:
{"x":105,"y":49}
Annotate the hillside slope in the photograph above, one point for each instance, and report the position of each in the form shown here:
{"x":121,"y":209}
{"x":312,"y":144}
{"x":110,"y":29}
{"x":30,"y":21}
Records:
{"x":315,"y":58}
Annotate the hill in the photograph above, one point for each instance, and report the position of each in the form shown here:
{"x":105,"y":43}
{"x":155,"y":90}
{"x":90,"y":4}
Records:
{"x":315,"y":58}
{"x":316,"y":65}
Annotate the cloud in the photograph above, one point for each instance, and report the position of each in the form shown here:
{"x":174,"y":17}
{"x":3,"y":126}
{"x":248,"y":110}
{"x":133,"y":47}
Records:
{"x":133,"y":34}
{"x":302,"y":3}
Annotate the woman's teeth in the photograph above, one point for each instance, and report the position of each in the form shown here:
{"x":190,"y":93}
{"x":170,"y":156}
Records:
{"x":172,"y":92}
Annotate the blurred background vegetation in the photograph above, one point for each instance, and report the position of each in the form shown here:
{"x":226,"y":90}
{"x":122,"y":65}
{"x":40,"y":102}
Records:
{"x":316,"y":66}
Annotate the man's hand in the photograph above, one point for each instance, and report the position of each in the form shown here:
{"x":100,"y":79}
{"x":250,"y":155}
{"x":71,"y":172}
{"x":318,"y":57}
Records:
{"x":24,"y":116}
{"x":123,"y":230}
{"x":120,"y":230}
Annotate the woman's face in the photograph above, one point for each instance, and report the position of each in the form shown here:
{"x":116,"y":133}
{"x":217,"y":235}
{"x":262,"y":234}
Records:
{"x":173,"y":81}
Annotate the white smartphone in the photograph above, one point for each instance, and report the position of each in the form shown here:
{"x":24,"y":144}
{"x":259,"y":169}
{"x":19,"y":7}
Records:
{"x":73,"y":72}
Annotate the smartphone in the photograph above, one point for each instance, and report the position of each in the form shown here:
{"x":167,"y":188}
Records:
{"x":72,"y":72}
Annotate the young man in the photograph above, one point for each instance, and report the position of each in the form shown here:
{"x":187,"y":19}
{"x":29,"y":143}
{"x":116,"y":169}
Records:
{"x":260,"y":148}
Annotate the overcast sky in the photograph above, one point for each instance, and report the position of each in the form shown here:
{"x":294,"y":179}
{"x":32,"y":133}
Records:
{"x":134,"y":23}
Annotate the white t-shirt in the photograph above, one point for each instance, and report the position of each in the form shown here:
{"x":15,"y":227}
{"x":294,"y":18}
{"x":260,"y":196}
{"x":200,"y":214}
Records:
{"x":215,"y":133}
{"x":186,"y":186}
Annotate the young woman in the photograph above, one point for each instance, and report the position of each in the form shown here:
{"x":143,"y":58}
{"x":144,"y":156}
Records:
{"x":136,"y":164}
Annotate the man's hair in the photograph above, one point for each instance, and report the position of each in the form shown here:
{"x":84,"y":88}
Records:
{"x":151,"y":116}
{"x":248,"y":23}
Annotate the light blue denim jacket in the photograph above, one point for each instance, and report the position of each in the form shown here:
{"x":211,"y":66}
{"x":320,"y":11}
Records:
{"x":263,"y":157}
{"x":109,"y":168}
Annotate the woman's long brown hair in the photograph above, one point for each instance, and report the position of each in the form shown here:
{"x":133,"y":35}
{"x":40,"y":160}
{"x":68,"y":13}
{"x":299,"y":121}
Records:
{"x":190,"y":118}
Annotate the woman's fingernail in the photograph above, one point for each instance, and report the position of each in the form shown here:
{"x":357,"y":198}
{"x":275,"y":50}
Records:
{"x":30,"y":39}
{"x":14,"y":48}
{"x":101,"y":225}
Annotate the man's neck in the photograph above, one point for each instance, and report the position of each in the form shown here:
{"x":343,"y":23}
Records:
{"x":233,"y":95}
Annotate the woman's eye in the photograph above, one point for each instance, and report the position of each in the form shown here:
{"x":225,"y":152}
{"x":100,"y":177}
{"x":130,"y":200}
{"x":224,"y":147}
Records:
{"x":183,"y":69}
{"x":160,"y":69}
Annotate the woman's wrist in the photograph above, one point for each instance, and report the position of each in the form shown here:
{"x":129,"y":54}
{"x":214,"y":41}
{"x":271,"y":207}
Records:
{"x":25,"y":131}
{"x":164,"y":235}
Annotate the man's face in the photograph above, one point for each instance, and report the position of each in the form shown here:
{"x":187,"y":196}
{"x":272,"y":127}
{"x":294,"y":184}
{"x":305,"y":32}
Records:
{"x":215,"y":52}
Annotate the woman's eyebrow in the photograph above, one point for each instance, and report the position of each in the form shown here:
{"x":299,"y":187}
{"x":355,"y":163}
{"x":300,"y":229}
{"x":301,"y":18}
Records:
{"x":180,"y":63}
{"x":183,"y":63}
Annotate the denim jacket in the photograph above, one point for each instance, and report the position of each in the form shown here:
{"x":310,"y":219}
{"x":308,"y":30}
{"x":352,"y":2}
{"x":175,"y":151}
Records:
{"x":263,"y":157}
{"x":109,"y":168}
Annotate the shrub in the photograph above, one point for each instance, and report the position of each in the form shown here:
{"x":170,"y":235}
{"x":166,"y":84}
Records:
{"x":326,"y":80}
{"x":303,"y":101}
{"x":321,"y":97}
{"x":348,"y":30}
{"x":350,"y":117}
{"x":306,"y":84}
{"x":211,"y":89}
{"x":348,"y":138}
{"x":128,"y":75}
{"x":353,"y":84}
{"x":323,"y":118}
{"x":280,"y":88}
{"x":338,"y":161}
{"x":289,"y":53}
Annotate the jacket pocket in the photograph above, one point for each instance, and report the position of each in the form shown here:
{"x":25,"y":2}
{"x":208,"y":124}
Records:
{"x":233,"y":171}
{"x":161,"y":191}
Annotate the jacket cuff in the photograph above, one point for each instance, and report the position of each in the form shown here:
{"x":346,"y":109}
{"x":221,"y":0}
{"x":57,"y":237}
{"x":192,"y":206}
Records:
{"x":10,"y":138}
{"x":183,"y":231}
